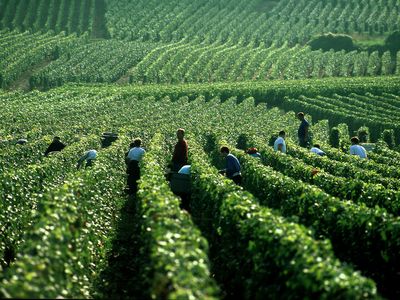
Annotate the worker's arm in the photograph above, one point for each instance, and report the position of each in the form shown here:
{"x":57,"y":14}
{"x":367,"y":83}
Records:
{"x":280,"y":147}
{"x":48,"y":150}
{"x":81,"y":160}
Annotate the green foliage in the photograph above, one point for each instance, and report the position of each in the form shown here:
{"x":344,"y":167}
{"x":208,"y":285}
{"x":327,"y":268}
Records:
{"x":255,"y":245}
{"x":20,"y":52}
{"x":388,"y":138}
{"x":202,"y":41}
{"x":237,"y":228}
{"x":178,"y":263}
{"x":66,"y":244}
{"x":329,"y":41}
{"x":343,"y":222}
{"x":44,"y":15}
{"x":392,"y":42}
{"x":334,"y":137}
{"x":363,"y":134}
{"x":102,"y":61}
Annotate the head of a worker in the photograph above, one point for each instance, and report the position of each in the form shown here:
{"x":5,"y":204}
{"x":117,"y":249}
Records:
{"x":251,"y":150}
{"x":224,"y":151}
{"x":317,"y":146}
{"x":180,"y":134}
{"x":56,"y":138}
{"x":137,"y":142}
{"x":300,"y":116}
{"x":282,"y":134}
{"x":354,"y":140}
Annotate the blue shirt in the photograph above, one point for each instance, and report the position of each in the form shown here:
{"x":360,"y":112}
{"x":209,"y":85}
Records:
{"x":232,"y":165}
{"x":302,"y":129}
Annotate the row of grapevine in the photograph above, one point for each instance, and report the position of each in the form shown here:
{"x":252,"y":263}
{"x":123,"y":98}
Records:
{"x":178,"y":264}
{"x":65,"y":245}
{"x":204,"y":64}
{"x":292,"y":21}
{"x":77,"y":60}
{"x":19,"y":55}
{"x":289,"y":20}
{"x":274,"y":92}
{"x":358,"y":234}
{"x":348,"y":169}
{"x":351,"y":188}
{"x":44,"y":15}
{"x":227,"y":110}
{"x":349,"y":110}
{"x":103,"y":61}
{"x":24,"y":187}
{"x":252,"y":245}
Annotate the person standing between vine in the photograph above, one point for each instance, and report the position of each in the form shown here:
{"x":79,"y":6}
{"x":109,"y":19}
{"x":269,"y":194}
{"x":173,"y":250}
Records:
{"x":317,"y":150}
{"x":55,"y":146}
{"x":356,"y":149}
{"x":252,"y":151}
{"x":302,"y":132}
{"x":232,"y":170}
{"x":280,"y":144}
{"x":132,"y":160}
{"x":89,"y":157}
{"x":180,"y":156}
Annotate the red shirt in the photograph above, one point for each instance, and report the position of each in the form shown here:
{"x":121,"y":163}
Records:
{"x":180,"y":153}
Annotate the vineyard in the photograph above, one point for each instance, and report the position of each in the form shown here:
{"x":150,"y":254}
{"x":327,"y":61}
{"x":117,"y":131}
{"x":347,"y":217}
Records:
{"x":191,"y":42}
{"x":231,"y":73}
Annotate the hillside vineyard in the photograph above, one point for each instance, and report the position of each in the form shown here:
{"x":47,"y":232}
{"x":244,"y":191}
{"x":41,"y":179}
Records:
{"x":232,"y":74}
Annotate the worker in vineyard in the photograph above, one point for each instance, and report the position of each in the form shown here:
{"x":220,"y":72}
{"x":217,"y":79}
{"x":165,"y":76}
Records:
{"x":252,"y":151}
{"x":55,"y":146}
{"x":185,"y":170}
{"x":317,"y":150}
{"x":22,"y":142}
{"x":132,"y":160}
{"x":356,"y":149}
{"x":180,"y":156}
{"x":89,"y":157}
{"x":302,"y":132}
{"x":232,"y":169}
{"x":280,"y":143}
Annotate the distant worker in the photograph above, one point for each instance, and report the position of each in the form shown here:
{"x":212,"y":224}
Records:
{"x":133,"y":157}
{"x":89,"y":157}
{"x":232,"y":170}
{"x":280,"y":144}
{"x":302,"y":132}
{"x":253,"y":152}
{"x":21,"y":141}
{"x":185,"y":186}
{"x":185,"y":170}
{"x":56,"y":145}
{"x":317,"y":150}
{"x":356,"y":149}
{"x":180,"y":156}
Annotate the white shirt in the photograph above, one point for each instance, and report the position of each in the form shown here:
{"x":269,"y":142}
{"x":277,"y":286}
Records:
{"x":358,"y":150}
{"x":278,"y":141}
{"x":136,"y":153}
{"x":185,"y":170}
{"x":317,"y":151}
{"x":91,"y":154}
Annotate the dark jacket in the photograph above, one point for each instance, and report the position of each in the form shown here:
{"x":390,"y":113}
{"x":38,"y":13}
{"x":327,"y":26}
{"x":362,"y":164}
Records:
{"x":180,"y":155}
{"x":232,"y":166}
{"x":54,"y":146}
